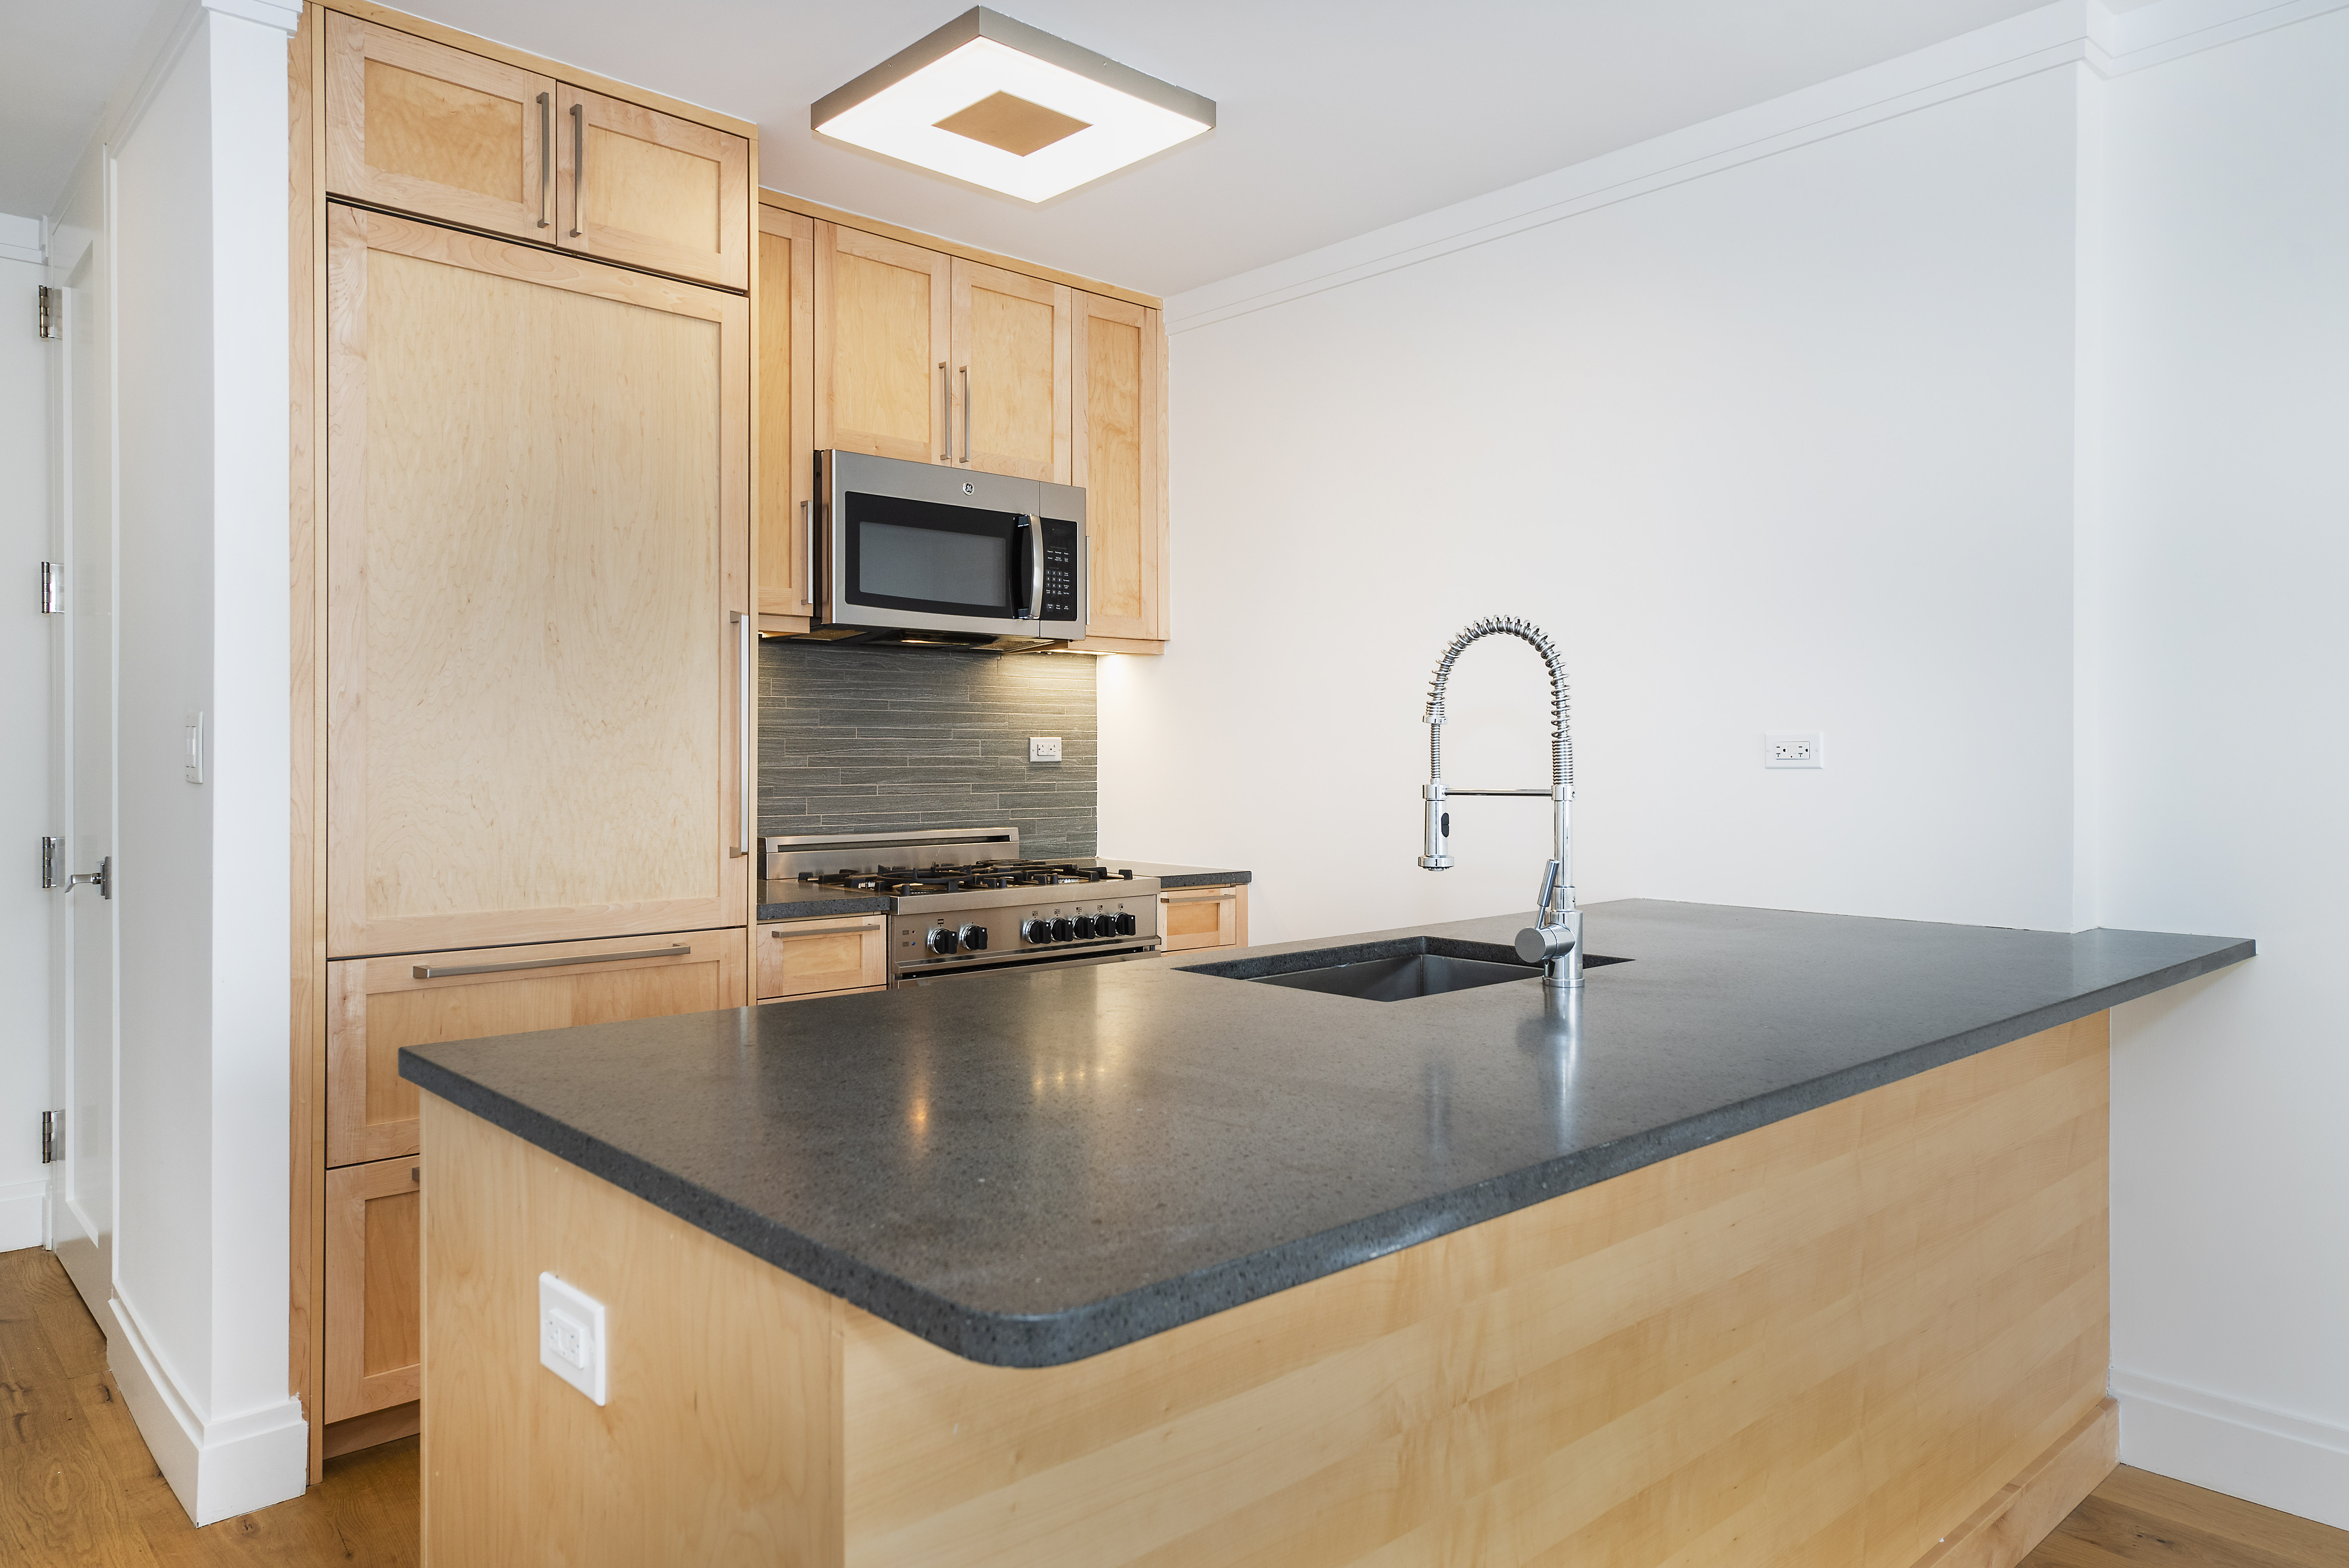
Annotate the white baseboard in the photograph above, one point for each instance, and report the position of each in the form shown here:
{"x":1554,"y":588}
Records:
{"x":23,"y":1214}
{"x":216,"y":1469}
{"x":2267,"y":1457}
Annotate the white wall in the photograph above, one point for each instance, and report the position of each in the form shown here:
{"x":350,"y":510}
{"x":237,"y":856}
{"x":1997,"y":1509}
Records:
{"x":2227,"y":656}
{"x":24,"y":814}
{"x":1786,"y":446}
{"x":198,"y":244}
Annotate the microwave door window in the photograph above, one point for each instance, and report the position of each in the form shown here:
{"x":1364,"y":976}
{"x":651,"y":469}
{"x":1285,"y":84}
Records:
{"x":963,"y":572}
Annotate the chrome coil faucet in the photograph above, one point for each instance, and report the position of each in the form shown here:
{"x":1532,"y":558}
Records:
{"x":1555,"y":939}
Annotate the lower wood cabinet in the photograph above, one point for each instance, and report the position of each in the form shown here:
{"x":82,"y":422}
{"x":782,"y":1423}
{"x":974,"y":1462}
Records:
{"x":375,"y":1006}
{"x":1192,"y":917}
{"x":800,"y":958}
{"x":374,"y":1290}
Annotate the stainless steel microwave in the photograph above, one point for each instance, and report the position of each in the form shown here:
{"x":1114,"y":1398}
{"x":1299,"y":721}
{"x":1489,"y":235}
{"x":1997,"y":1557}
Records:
{"x":917,"y":547}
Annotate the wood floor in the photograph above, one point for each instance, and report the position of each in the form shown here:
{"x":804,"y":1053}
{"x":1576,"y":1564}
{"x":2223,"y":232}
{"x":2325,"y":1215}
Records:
{"x":76,"y":1486}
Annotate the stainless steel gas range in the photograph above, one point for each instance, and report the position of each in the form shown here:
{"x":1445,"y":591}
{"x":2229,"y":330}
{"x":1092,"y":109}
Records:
{"x":964,"y":902}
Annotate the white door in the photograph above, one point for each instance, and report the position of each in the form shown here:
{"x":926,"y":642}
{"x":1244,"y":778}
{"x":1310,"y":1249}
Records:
{"x":82,"y":1213}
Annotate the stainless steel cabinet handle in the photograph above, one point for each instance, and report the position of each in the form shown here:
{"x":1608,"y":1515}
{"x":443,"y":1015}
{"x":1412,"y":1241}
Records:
{"x":821,"y":927}
{"x":946,"y":413}
{"x":966,"y":413}
{"x":546,"y":160}
{"x":745,"y":625}
{"x":1203,"y":898}
{"x":578,"y":168}
{"x":807,"y":521}
{"x":425,"y":971}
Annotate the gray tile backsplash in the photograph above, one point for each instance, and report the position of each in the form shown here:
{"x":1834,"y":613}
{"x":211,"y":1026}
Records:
{"x":856,"y":740}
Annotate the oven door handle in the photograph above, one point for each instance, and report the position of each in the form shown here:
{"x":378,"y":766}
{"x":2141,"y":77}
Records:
{"x":1031,"y":550}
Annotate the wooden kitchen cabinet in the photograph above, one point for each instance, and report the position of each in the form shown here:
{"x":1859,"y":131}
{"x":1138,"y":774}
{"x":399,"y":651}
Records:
{"x":800,"y":958}
{"x":786,"y":421}
{"x":1191,"y":917}
{"x":537,"y":541}
{"x":377,"y":1006}
{"x":444,"y":133}
{"x":649,"y":189}
{"x":884,"y":339}
{"x":374,"y":1288}
{"x":1117,"y":455}
{"x":1011,"y":363}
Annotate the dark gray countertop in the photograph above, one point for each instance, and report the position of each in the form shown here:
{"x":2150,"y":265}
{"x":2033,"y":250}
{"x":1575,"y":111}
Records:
{"x":797,"y":901}
{"x":1031,"y":1168}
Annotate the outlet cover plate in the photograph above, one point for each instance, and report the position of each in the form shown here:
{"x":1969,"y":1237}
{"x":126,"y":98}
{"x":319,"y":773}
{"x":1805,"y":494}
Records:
{"x":1794,"y":748}
{"x":1043,"y":748}
{"x":571,"y":1339}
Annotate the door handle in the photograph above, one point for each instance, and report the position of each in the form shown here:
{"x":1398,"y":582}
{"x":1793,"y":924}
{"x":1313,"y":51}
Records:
{"x":546,"y":161}
{"x":814,"y":554}
{"x":747,"y":627}
{"x":427,"y":971}
{"x":946,"y":413}
{"x":578,"y":168}
{"x":966,"y":413}
{"x":101,"y":878}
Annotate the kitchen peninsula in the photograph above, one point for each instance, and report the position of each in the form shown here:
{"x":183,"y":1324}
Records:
{"x":1784,"y":1243}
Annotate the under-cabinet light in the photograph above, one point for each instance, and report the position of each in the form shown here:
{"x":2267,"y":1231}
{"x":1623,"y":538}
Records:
{"x":997,"y":103}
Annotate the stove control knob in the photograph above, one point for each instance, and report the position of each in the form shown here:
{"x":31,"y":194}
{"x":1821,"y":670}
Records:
{"x":974,"y":938}
{"x":1126,"y":925}
{"x":1064,"y":930}
{"x":1085,"y":932}
{"x":1036,"y":930}
{"x":943,"y":942}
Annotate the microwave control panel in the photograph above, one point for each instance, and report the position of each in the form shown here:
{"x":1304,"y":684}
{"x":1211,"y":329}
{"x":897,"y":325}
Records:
{"x":1059,"y":570}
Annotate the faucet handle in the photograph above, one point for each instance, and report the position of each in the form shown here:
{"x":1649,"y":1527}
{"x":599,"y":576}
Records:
{"x":1548,"y":887}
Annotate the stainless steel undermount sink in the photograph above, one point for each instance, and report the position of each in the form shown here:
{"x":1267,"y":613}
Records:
{"x":1395,"y":971}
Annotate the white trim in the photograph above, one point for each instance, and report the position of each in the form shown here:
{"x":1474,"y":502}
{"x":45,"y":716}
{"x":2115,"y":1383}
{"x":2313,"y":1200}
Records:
{"x":24,"y":1213}
{"x":2069,"y":32}
{"x":2263,"y":1455}
{"x":217,"y":1468}
{"x":276,"y":14}
{"x":21,"y":240}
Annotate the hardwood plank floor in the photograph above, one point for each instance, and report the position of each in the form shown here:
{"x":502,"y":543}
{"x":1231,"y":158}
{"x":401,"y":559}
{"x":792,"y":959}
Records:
{"x":79,"y":1487}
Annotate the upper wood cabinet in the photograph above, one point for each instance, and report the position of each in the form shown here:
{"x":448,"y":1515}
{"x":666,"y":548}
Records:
{"x":537,"y":538}
{"x":1010,"y":364}
{"x":439,"y":132}
{"x":1117,"y":452}
{"x":786,"y":426}
{"x":882,"y":383}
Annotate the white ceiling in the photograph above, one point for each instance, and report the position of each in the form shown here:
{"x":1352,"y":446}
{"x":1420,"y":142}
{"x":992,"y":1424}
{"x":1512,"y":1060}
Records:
{"x":1333,"y":119}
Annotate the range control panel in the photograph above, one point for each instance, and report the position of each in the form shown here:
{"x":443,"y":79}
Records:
{"x":1059,"y":570}
{"x":1013,"y":931}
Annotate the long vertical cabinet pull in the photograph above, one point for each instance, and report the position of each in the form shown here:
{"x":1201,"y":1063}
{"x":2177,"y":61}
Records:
{"x":966,"y":413}
{"x":746,"y":627}
{"x":546,"y":160}
{"x":578,"y":168}
{"x":815,"y":551}
{"x":946,"y":413}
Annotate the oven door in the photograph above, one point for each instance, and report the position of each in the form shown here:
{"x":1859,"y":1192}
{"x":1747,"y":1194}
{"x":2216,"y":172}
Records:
{"x":910,"y":546}
{"x":917,"y":974}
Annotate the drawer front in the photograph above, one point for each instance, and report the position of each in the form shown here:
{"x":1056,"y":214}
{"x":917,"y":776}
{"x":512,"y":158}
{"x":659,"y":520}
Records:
{"x":1192,"y":917}
{"x":809,"y":957}
{"x":375,"y":1217}
{"x":375,"y":1006}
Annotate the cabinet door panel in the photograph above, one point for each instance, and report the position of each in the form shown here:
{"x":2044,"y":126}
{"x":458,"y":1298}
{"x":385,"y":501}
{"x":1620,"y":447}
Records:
{"x":882,"y":314}
{"x":378,"y":1005}
{"x":1115,"y":452}
{"x":429,"y":129}
{"x":374,"y":1288}
{"x":537,"y":522}
{"x":1012,"y":363}
{"x":808,"y":957}
{"x":635,"y":185}
{"x":786,"y":432}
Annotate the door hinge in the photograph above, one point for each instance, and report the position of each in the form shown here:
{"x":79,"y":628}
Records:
{"x":53,"y":588}
{"x":49,"y":312}
{"x":53,"y":856}
{"x":53,"y":1136}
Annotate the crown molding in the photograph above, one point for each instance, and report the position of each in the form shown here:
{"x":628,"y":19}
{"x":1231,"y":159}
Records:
{"x":2068,"y":33}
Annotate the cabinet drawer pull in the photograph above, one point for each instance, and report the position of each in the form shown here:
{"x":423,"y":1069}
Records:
{"x":1203,"y":898}
{"x":423,"y":972}
{"x":814,"y":928}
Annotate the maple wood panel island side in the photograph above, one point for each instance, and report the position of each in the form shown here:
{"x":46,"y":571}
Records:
{"x":1784,"y":1244}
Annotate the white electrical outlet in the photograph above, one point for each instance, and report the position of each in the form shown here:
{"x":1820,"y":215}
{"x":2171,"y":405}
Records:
{"x":1043,"y":748}
{"x":571,"y":1342}
{"x":1794,"y":748}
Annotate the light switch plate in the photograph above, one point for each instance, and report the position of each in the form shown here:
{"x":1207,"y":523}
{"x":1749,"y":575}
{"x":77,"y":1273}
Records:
{"x":1794,"y":748}
{"x":571,"y":1342}
{"x":1043,"y":748}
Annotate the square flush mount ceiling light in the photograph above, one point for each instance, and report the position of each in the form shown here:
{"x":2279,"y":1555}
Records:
{"x":993,"y":102}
